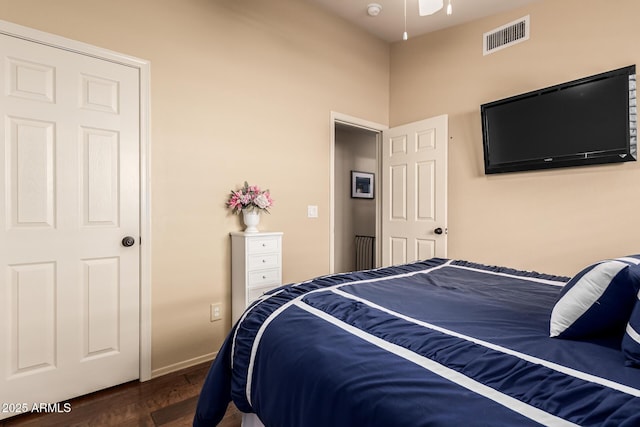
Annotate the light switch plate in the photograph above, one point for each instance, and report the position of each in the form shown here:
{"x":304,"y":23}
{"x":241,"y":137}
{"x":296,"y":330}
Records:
{"x":312,"y":211}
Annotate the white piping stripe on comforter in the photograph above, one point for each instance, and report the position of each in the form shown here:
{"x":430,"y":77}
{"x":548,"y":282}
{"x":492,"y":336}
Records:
{"x":515,"y":276}
{"x":244,"y":315}
{"x":632,"y":333}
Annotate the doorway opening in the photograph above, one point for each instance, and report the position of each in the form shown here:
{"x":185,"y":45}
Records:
{"x":355,"y":220}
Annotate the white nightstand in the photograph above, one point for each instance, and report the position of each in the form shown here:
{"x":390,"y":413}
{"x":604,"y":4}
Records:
{"x":256,"y":267}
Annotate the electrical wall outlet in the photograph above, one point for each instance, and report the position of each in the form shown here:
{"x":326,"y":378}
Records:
{"x":216,"y":312}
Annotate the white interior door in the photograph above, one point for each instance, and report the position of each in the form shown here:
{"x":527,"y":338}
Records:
{"x":414,"y":188}
{"x":69,"y":193}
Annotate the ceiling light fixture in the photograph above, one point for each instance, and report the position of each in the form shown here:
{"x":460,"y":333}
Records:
{"x":429,"y":7}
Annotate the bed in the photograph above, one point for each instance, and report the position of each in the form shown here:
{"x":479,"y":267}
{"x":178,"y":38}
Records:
{"x":438,"y":342}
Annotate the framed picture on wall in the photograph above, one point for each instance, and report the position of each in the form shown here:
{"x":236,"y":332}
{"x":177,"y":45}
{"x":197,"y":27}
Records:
{"x":361,"y":185}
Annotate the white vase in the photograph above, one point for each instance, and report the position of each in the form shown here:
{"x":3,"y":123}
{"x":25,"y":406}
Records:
{"x":251,"y":219}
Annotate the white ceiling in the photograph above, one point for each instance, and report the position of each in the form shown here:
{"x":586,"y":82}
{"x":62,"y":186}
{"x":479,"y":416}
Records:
{"x":389,"y":24}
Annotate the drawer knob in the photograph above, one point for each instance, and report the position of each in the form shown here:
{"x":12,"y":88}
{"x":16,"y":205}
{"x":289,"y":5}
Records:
{"x":264,"y":260}
{"x":264,"y":277}
{"x":264,"y":245}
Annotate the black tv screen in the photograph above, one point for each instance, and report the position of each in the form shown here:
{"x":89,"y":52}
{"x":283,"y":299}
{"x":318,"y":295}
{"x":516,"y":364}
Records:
{"x":582,"y":122}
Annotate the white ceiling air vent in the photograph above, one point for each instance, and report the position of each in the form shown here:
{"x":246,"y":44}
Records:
{"x":505,"y":36}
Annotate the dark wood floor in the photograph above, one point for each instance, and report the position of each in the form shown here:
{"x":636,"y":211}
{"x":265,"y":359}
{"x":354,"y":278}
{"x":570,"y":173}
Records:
{"x":169,"y":400}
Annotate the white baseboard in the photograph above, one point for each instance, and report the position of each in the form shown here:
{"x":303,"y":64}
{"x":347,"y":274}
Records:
{"x":182,"y":365}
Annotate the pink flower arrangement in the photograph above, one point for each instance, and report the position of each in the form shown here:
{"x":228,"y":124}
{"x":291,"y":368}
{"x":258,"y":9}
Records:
{"x":249,"y":197}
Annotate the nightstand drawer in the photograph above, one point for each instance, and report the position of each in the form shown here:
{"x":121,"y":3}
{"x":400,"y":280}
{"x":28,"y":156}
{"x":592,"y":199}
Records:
{"x":264,"y":277}
{"x":266,"y":244}
{"x":259,"y":262}
{"x":256,"y":267}
{"x":255,"y":293}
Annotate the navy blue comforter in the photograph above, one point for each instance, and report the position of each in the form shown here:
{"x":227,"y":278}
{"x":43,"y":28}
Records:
{"x":432,"y":343}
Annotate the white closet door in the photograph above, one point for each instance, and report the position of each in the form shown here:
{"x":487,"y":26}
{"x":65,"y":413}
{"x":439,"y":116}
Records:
{"x":69,"y":193}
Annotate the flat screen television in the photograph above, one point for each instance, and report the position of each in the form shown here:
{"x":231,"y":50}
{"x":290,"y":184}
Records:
{"x":582,"y":122}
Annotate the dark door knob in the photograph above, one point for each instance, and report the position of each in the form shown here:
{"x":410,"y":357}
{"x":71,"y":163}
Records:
{"x":438,"y":230}
{"x":128,"y":241}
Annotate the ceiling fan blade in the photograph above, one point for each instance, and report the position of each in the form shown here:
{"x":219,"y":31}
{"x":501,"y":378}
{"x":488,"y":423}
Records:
{"x":429,"y":7}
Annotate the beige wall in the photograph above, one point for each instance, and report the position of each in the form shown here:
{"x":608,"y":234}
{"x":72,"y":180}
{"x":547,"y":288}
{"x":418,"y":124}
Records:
{"x":552,"y":221}
{"x":240,"y":90}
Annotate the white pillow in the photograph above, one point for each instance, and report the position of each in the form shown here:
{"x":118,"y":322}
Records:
{"x":597,"y":301}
